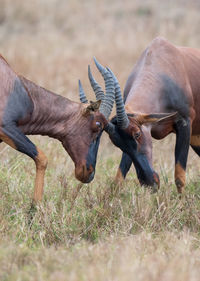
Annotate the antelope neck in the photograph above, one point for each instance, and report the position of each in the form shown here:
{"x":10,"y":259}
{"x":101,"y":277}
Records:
{"x":51,"y":113}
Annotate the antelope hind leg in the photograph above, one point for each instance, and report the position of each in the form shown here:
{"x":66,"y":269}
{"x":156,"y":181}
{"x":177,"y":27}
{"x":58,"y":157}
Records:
{"x":182,"y":128}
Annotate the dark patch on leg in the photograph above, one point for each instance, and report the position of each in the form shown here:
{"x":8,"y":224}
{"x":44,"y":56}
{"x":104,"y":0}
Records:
{"x":174,"y":97}
{"x":15,"y":138}
{"x":182,"y":128}
{"x":20,"y":141}
{"x":19,"y":105}
{"x":8,"y":141}
{"x":19,"y":108}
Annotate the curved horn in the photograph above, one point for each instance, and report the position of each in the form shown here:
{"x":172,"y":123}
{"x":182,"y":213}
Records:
{"x":107,"y":104}
{"x":82,"y":95}
{"x":122,"y":118}
{"x":95,"y":86}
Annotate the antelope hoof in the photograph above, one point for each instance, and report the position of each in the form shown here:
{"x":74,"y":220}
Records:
{"x":156,"y":179}
{"x":179,"y":185}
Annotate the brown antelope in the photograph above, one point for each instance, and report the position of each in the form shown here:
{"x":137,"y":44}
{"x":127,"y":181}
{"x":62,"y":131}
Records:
{"x":29,"y":109}
{"x":162,"y":96}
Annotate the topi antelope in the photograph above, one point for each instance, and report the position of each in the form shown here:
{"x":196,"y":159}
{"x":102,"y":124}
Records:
{"x":27,"y":109}
{"x":162,"y":96}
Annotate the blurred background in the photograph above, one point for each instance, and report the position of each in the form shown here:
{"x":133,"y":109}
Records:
{"x":51,"y":42}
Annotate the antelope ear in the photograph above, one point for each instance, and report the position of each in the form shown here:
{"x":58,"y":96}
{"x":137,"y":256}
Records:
{"x":92,"y":107}
{"x":156,"y":117}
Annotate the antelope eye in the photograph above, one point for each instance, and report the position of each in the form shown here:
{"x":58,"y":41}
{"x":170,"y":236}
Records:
{"x":98,"y":124}
{"x":137,"y":135}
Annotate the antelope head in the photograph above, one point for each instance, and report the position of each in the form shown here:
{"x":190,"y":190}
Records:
{"x":87,"y":126}
{"x":131,"y":132}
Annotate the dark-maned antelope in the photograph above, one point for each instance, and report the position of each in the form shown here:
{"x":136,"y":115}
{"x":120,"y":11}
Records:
{"x":26,"y":108}
{"x":162,"y":96}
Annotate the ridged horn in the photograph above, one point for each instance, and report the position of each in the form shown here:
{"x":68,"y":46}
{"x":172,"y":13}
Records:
{"x":107,"y":104}
{"x":82,"y":95}
{"x":122,"y":118}
{"x":95,"y":86}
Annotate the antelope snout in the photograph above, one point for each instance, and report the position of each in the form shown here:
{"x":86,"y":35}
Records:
{"x":83,"y":174}
{"x":149,"y":178}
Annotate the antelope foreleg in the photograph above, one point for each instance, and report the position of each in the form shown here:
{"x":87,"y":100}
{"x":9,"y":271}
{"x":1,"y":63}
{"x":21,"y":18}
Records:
{"x":41,"y":164}
{"x":17,"y":140}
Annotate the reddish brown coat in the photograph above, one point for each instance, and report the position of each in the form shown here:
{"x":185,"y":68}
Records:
{"x":165,"y":79}
{"x":26,"y":108}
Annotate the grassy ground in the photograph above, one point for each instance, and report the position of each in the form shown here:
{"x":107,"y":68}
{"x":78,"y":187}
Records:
{"x":95,"y":231}
{"x":98,"y":233}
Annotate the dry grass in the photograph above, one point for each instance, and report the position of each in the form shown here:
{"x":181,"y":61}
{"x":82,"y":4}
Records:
{"x":139,"y":257}
{"x":97,"y":232}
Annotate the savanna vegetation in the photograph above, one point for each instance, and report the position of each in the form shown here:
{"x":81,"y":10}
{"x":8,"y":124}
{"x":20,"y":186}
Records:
{"x":95,"y":231}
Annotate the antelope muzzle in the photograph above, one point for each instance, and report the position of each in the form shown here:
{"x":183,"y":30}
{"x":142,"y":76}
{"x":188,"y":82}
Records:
{"x":84,"y":174}
{"x":146,"y":175}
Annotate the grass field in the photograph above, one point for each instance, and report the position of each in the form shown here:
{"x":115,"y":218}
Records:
{"x":95,"y":231}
